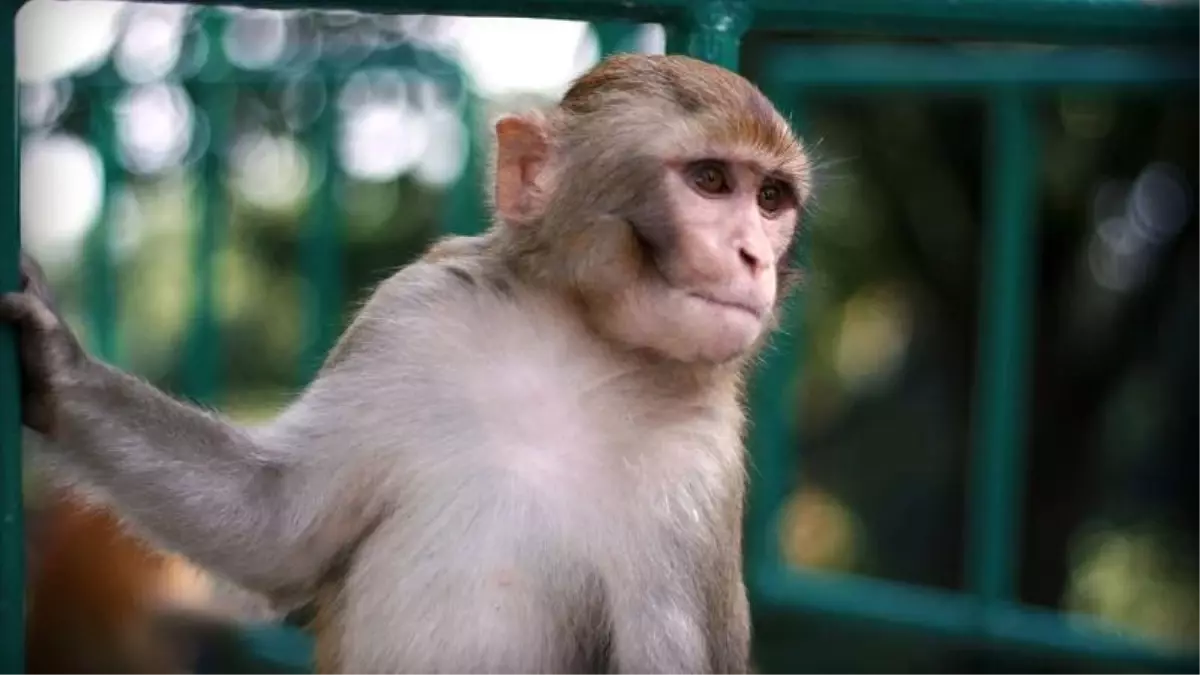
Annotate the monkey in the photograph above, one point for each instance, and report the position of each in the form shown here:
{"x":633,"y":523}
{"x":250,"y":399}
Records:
{"x":525,"y":452}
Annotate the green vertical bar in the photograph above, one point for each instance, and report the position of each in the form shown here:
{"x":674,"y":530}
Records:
{"x":615,"y":36}
{"x":1007,"y":307}
{"x":771,"y":443}
{"x":98,"y":263}
{"x":202,"y":372}
{"x":714,"y":31}
{"x":465,"y":213}
{"x":12,"y":525}
{"x":677,"y":37}
{"x":321,"y":252}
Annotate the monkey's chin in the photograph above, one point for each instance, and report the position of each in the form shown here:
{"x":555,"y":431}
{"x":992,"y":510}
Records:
{"x":715,"y":332}
{"x":722,"y":351}
{"x":727,"y":338}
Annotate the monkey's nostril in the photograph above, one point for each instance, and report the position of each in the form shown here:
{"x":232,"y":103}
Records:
{"x":752,"y":261}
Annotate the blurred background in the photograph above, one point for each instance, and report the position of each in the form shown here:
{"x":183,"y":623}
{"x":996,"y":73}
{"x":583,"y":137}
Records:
{"x":311,"y":153}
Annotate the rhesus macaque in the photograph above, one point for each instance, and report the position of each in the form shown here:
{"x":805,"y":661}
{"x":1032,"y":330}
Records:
{"x":525,"y":454}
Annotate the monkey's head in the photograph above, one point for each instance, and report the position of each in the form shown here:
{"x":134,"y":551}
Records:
{"x":664,"y":193}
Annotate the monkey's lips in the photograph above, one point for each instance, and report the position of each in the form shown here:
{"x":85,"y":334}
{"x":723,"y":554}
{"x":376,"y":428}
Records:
{"x":753,"y":310}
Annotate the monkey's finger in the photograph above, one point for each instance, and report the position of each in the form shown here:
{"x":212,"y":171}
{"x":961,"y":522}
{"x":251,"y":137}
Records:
{"x":30,"y":268}
{"x":27,"y":310}
{"x":33,"y":279}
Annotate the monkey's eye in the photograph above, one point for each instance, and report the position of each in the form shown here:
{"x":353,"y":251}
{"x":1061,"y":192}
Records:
{"x":772,"y":197}
{"x":710,"y":177}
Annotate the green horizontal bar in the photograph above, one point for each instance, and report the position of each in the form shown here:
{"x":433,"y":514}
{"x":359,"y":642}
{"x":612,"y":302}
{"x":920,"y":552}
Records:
{"x":849,"y":66}
{"x":581,"y":10}
{"x":958,"y":618}
{"x":1105,"y":21}
{"x":1051,"y":21}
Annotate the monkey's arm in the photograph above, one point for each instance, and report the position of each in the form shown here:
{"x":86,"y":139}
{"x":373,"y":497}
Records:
{"x":253,"y":509}
{"x":191,"y":481}
{"x":195,"y":482}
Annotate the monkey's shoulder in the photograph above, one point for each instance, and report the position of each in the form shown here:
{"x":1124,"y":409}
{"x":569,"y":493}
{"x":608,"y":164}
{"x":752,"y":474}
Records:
{"x":455,"y":246}
{"x":432,"y":313}
{"x":456,"y":270}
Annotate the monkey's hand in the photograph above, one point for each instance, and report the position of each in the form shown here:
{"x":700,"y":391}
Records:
{"x":50,"y":355}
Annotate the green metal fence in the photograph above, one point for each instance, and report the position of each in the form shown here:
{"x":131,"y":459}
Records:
{"x":1146,"y":45}
{"x":216,"y":86}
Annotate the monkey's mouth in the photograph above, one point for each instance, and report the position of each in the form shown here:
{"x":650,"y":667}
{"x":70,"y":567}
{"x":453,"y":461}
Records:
{"x":731,"y":304}
{"x":653,"y":257}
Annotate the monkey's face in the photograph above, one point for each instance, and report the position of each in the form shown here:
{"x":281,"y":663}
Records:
{"x":681,"y":241}
{"x":710,"y":232}
{"x":663,"y":194}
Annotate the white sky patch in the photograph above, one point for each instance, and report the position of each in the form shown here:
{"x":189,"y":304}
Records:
{"x":56,"y":37}
{"x":60,"y":193}
{"x":506,"y":55}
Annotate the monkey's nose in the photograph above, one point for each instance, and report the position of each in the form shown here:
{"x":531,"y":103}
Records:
{"x":751,"y":259}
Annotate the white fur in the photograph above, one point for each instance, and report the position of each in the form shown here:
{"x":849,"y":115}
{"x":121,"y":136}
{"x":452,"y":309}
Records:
{"x":512,"y":460}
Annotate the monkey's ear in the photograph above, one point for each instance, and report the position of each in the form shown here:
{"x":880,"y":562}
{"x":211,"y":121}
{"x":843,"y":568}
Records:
{"x":522,"y":148}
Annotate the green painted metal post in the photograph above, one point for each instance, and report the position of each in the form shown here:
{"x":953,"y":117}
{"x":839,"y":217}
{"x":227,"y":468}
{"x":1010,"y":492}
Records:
{"x":611,"y":37}
{"x":321,"y":244}
{"x":676,"y":38}
{"x":1007,"y":307}
{"x":714,"y":31}
{"x":12,"y":526}
{"x":101,"y":287}
{"x":202,"y":372}
{"x":772,"y":447}
{"x":464,"y":213}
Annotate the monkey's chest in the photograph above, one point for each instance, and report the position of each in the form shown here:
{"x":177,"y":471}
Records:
{"x":583,"y":446}
{"x":604,"y":476}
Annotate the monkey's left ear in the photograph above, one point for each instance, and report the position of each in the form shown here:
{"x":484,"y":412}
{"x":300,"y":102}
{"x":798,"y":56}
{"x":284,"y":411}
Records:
{"x":522,"y":148}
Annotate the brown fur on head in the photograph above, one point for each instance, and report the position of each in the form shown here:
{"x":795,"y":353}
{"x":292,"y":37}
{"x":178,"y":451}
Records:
{"x":663,"y":192}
